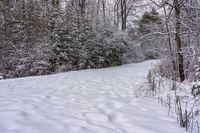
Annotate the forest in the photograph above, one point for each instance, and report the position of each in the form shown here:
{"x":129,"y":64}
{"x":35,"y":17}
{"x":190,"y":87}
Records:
{"x":115,"y":42}
{"x":48,"y":36}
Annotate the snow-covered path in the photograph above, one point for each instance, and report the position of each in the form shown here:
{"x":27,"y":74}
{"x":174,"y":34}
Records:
{"x":89,"y":101}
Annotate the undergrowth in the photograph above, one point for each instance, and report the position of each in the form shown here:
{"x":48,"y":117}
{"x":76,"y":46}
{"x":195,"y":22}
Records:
{"x":178,"y":99}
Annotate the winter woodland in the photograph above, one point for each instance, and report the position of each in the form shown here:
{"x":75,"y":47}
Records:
{"x":46,"y":37}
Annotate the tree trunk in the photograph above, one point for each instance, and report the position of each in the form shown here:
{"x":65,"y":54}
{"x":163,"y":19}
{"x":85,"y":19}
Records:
{"x":104,"y":11}
{"x":123,"y":14}
{"x":116,"y":13}
{"x":170,"y":44}
{"x":178,"y":40}
{"x":97,"y":17}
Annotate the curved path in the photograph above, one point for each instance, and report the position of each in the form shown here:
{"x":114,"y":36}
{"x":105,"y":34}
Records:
{"x":89,"y":101}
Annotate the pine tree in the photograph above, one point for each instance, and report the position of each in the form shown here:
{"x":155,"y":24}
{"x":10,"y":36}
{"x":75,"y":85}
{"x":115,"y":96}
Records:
{"x":67,"y":45}
{"x":150,"y":27}
{"x":150,"y":22}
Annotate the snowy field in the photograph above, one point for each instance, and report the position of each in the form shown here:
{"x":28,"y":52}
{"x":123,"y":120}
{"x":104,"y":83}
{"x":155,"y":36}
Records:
{"x":88,"y":101}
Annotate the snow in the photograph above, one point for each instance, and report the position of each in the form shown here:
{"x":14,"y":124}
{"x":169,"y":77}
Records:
{"x":88,"y":101}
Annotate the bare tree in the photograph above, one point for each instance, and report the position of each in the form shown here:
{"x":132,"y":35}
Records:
{"x":126,"y":6}
{"x":116,"y":13}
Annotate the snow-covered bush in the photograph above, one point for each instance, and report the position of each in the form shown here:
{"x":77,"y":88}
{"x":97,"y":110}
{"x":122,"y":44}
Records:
{"x":181,"y":100}
{"x":41,"y":37}
{"x":195,"y":86}
{"x":133,"y":50}
{"x":109,"y":50}
{"x":190,"y":54}
{"x":165,"y":68}
{"x":81,"y":48}
{"x":1,"y":76}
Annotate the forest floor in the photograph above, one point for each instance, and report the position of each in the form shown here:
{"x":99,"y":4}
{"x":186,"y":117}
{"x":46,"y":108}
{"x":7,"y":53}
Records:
{"x":88,"y":101}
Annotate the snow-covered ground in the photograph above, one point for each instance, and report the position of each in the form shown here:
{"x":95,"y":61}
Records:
{"x":88,"y":101}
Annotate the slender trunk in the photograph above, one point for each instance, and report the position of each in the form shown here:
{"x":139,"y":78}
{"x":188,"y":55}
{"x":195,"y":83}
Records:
{"x":6,"y":12}
{"x":123,"y":14}
{"x":117,"y":14}
{"x":98,"y":8}
{"x":178,"y":40}
{"x":104,"y":11}
{"x":169,"y":42}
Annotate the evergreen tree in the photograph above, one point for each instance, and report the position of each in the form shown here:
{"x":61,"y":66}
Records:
{"x":150,"y":27}
{"x":150,"y":22}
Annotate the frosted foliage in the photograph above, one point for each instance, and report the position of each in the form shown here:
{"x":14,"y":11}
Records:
{"x":196,"y":85}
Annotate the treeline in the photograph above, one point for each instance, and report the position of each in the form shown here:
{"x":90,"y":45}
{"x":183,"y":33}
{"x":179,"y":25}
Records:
{"x":46,"y":36}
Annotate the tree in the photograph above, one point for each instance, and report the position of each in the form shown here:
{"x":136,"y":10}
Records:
{"x":150,"y":22}
{"x":43,"y":36}
{"x":181,"y":19}
{"x":177,"y":7}
{"x":151,"y":27}
{"x":126,"y":7}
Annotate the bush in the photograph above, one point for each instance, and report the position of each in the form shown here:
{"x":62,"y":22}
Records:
{"x":195,"y":86}
{"x":75,"y":49}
